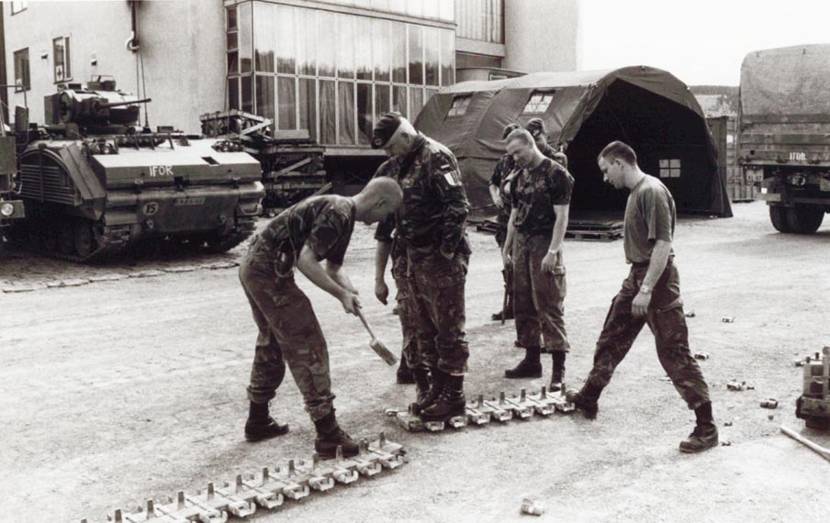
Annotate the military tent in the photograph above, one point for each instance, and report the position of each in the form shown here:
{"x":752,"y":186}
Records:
{"x":583,"y":111}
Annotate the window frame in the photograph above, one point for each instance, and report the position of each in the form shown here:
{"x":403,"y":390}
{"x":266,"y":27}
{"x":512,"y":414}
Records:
{"x":26,"y":82}
{"x":65,"y":58}
{"x":459,"y":109}
{"x":670,"y":168}
{"x":546,"y":94}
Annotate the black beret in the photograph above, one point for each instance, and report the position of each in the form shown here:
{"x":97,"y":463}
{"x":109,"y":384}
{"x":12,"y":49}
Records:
{"x":384,"y":128}
{"x":509,"y":128}
{"x":535,"y":126}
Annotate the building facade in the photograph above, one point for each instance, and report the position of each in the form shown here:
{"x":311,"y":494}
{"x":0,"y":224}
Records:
{"x":327,"y":66}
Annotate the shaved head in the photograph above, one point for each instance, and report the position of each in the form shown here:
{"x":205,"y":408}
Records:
{"x":380,"y":197}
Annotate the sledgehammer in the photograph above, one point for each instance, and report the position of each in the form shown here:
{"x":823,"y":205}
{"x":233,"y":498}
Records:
{"x":815,"y":447}
{"x":377,"y":345}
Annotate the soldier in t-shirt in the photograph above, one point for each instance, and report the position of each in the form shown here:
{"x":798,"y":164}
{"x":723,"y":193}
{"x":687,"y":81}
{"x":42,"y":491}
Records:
{"x":499,"y":187}
{"x":650,"y":295}
{"x":302,"y":236}
{"x":541,"y":197}
{"x":536,"y":128}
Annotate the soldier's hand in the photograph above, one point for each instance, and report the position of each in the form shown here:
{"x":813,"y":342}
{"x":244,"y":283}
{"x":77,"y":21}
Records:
{"x":498,"y":201}
{"x":639,"y":306}
{"x":549,"y":262}
{"x":381,"y":291}
{"x":350,"y":302}
{"x":506,"y":259}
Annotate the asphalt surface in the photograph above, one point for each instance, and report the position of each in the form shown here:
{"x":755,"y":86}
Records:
{"x":127,"y":388}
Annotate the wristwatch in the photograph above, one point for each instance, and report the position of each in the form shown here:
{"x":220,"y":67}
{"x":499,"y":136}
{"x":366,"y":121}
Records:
{"x":645,"y":289}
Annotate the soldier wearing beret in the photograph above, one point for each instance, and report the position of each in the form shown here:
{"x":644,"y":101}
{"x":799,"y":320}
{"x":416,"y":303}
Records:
{"x":429,"y":227}
{"x":316,"y":229}
{"x":535,"y":232}
{"x":536,"y":128}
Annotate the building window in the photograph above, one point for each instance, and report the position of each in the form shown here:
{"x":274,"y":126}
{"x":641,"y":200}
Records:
{"x":332,"y":73}
{"x":670,"y":168}
{"x":459,"y":106}
{"x":60,"y":54}
{"x":538,"y":103}
{"x":21,"y":70}
{"x":19,"y":5}
{"x":480,"y":20}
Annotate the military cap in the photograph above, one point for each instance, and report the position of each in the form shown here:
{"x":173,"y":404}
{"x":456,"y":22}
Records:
{"x":535,"y":126}
{"x":384,"y":128}
{"x":509,"y":128}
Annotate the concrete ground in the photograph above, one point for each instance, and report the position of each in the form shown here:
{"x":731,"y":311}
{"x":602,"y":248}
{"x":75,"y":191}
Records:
{"x":113,"y":392}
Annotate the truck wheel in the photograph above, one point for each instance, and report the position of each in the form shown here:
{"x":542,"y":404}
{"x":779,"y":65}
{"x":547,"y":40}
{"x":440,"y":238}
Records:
{"x":804,"y":219}
{"x":777,"y":215}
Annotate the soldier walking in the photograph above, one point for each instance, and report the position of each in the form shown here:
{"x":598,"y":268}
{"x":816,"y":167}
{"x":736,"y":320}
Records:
{"x":316,"y":229}
{"x":535,"y":233}
{"x":429,"y":227}
{"x":503,"y":175}
{"x":650,"y":295}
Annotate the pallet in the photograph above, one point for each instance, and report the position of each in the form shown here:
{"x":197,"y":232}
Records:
{"x":270,"y":488}
{"x":480,"y":411}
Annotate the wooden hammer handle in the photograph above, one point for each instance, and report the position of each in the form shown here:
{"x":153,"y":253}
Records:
{"x":365,"y":323}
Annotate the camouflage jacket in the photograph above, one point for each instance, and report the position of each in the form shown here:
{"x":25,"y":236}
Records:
{"x":434,"y":210}
{"x":554,"y":155}
{"x":535,"y":193}
{"x":324,"y":223}
{"x":502,"y":179}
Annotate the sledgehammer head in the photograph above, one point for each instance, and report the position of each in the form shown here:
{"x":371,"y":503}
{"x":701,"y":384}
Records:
{"x":381,"y":350}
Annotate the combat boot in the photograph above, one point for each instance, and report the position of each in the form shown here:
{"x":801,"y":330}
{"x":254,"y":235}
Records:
{"x":428,"y":385}
{"x":330,"y":436}
{"x":261,"y":425}
{"x":451,"y":402}
{"x":705,"y":434}
{"x":508,"y":315}
{"x":585,"y":400}
{"x":529,"y":367}
{"x":404,"y":374}
{"x":558,"y":374}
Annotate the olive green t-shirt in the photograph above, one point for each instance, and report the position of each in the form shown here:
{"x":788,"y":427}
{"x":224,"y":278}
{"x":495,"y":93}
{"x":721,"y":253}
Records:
{"x":649,"y":216}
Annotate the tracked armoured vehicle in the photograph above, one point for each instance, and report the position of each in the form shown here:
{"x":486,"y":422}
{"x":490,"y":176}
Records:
{"x":95,"y":183}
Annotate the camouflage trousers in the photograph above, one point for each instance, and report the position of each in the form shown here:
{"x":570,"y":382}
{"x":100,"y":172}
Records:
{"x":538,"y":296}
{"x":436,"y":288}
{"x":507,"y":272}
{"x":403,"y":298}
{"x":288,"y":330}
{"x":666,"y":320}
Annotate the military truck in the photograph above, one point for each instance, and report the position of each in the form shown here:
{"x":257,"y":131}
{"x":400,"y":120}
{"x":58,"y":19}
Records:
{"x":95,"y":183}
{"x":784,"y":137}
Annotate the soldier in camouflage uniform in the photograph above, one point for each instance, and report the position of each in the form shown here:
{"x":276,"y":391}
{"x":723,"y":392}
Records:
{"x":316,"y":229}
{"x":541,"y":198}
{"x":536,"y":128}
{"x":650,"y":295}
{"x":430,"y":228}
{"x":499,"y":187}
{"x":401,"y":276}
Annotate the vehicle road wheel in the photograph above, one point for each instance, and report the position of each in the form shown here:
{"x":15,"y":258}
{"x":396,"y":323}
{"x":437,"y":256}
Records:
{"x":805,"y":219}
{"x":66,"y":238}
{"x":85,"y":242}
{"x":778,"y":217}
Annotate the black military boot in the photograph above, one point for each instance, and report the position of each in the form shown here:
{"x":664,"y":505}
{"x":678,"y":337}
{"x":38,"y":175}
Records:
{"x":585,"y":400}
{"x":450,"y":402}
{"x":529,"y":367}
{"x":507,"y":313}
{"x":330,"y":436}
{"x":558,"y":373}
{"x":404,"y":374}
{"x":428,"y":386}
{"x":705,"y":434}
{"x":261,"y":425}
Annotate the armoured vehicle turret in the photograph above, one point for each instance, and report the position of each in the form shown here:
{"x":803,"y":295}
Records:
{"x":95,"y":182}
